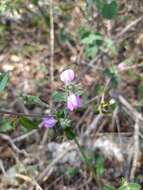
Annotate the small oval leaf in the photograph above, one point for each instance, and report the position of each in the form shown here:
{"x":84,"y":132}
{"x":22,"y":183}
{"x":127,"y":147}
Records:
{"x":4,"y":78}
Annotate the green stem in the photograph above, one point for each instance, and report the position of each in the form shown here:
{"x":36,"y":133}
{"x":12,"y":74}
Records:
{"x":88,"y":164}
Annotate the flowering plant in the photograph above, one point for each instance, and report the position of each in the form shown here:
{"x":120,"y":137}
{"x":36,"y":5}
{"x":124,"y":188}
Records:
{"x":70,"y":96}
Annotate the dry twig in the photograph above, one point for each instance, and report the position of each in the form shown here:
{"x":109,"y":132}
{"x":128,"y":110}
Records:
{"x":47,"y":171}
{"x":51,"y":62}
{"x":136,"y":150}
{"x":13,"y":146}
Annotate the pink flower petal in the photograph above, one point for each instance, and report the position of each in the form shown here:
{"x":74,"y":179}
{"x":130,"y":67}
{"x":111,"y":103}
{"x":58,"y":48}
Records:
{"x":73,"y":102}
{"x":67,"y":76}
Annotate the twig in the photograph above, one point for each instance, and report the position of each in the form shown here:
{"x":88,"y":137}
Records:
{"x":18,"y":114}
{"x":94,"y":124}
{"x":127,"y":28}
{"x":125,"y":68}
{"x":51,"y":43}
{"x":29,"y":180}
{"x":45,"y":174}
{"x":129,"y":109}
{"x":22,"y":137}
{"x":136,"y":150}
{"x":2,"y":168}
{"x":137,"y":117}
{"x":87,"y":181}
{"x":133,"y":113}
{"x":115,"y":119}
{"x":89,"y":66}
{"x":83,"y":117}
{"x":51,"y":62}
{"x":13,"y":146}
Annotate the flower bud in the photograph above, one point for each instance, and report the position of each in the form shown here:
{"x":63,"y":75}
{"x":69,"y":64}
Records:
{"x":48,"y":122}
{"x":67,"y":76}
{"x":73,"y":102}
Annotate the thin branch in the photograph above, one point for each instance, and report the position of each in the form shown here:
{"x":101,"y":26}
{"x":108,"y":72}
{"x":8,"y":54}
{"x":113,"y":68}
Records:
{"x":18,"y":114}
{"x":25,"y":136}
{"x":51,"y":62}
{"x":2,"y":168}
{"x":129,"y":109}
{"x":128,"y":27}
{"x":136,"y":150}
{"x":94,"y":124}
{"x":47,"y":171}
{"x":51,"y":42}
{"x":13,"y":146}
{"x":29,"y":180}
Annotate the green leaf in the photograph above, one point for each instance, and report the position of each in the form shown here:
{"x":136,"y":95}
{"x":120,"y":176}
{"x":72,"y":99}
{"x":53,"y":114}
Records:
{"x":27,"y":123}
{"x":61,"y":113}
{"x":99,"y":4}
{"x":109,"y":10}
{"x":91,"y":51}
{"x":108,"y":188}
{"x":2,"y":28}
{"x":110,"y":45}
{"x":130,"y":186}
{"x":64,"y":123}
{"x":58,"y":96}
{"x":99,"y":89}
{"x":113,"y":75}
{"x":4,"y":78}
{"x":100,"y":166}
{"x":92,"y":41}
{"x":6,"y":126}
{"x":71,"y":172}
{"x":35,"y":2}
{"x":69,"y":133}
{"x":91,"y":38}
{"x":30,"y":99}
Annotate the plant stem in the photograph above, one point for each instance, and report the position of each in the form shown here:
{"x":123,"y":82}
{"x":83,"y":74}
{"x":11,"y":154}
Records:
{"x":88,"y":164}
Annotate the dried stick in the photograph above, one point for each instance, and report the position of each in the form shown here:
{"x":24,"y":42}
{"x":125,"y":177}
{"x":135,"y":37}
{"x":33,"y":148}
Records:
{"x":18,"y":114}
{"x":128,"y":27}
{"x":129,"y":109}
{"x":2,"y":168}
{"x":13,"y":146}
{"x":51,"y":62}
{"x":136,"y":150}
{"x":25,"y":136}
{"x":115,"y":119}
{"x":29,"y":180}
{"x":51,"y":44}
{"x":47,"y":171}
{"x":94,"y":124}
{"x":137,"y":117}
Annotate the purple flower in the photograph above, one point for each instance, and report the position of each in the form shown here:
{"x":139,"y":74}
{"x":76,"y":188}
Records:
{"x":48,"y":122}
{"x":67,"y":76}
{"x":73,"y":102}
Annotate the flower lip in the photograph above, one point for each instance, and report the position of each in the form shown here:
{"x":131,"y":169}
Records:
{"x":73,"y":102}
{"x":67,"y":76}
{"x":48,"y":122}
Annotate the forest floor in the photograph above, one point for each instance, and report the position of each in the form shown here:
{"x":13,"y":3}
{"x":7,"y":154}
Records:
{"x":29,"y":159}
